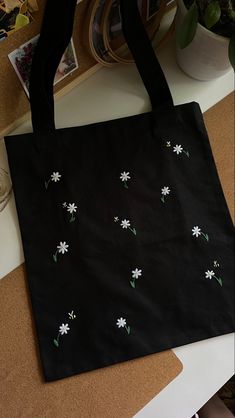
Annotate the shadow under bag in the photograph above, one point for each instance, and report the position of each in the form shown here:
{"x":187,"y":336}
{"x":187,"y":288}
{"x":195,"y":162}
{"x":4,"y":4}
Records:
{"x":127,"y":237}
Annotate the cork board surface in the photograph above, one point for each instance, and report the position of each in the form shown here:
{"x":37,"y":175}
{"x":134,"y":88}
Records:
{"x":14,"y":103}
{"x":119,"y":391}
{"x":219,"y":121}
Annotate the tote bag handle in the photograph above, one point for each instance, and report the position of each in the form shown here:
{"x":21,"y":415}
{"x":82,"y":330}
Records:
{"x":55,"y":37}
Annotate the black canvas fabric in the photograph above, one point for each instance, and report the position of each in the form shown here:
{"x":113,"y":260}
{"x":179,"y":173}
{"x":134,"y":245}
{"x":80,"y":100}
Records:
{"x":127,"y":237}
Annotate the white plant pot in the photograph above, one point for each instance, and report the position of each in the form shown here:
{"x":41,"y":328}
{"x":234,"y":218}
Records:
{"x":206,"y":57}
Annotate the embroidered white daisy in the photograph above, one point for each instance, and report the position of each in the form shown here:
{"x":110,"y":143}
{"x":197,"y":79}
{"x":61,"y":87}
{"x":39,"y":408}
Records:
{"x":196,"y":231}
{"x":64,"y":328}
{"x":136,"y":273}
{"x":121,"y":322}
{"x":71,"y":208}
{"x":178,"y":149}
{"x":125,"y":176}
{"x":62,"y":247}
{"x":54,"y":177}
{"x":210,"y":274}
{"x":165,"y":191}
{"x":64,"y":205}
{"x":125,"y":224}
{"x":116,"y":218}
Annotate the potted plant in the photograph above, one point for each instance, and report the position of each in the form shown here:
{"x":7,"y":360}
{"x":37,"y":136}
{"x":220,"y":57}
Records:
{"x":205,"y":37}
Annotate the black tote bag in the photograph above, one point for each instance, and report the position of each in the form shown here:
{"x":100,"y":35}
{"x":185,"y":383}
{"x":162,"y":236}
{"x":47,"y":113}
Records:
{"x":127,"y":237}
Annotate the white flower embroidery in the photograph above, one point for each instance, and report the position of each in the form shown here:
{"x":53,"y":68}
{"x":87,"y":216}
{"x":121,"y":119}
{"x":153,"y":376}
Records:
{"x":216,"y":264}
{"x":64,"y":328}
{"x":116,"y":218}
{"x":125,"y":224}
{"x":71,"y":208}
{"x":165,"y":191}
{"x":211,"y":274}
{"x":62,"y":248}
{"x":121,"y":323}
{"x":54,"y":177}
{"x":168,"y":144}
{"x":178,"y":149}
{"x":125,"y":176}
{"x":64,"y":205}
{"x":135,"y":275}
{"x":197,"y":232}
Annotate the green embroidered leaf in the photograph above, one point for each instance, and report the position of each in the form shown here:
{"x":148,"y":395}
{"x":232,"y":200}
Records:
{"x":128,"y":330}
{"x":72,"y":219}
{"x":55,"y":258}
{"x":219,"y":281}
{"x":207,"y":237}
{"x":132,"y":283}
{"x":56,"y":343}
{"x":212,"y":14}
{"x":134,"y":231}
{"x":186,"y":31}
{"x":231,"y":51}
{"x":162,"y":199}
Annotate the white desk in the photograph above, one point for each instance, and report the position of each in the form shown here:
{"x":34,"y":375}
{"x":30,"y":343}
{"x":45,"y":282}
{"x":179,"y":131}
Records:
{"x":111,"y":94}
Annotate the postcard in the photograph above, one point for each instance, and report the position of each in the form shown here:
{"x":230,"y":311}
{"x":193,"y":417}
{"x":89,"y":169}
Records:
{"x":21,"y":60}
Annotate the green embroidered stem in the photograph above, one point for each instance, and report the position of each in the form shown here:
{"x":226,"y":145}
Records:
{"x":219,"y":280}
{"x":56,"y":340}
{"x":47,"y":183}
{"x":186,"y":152}
{"x":133,"y":230}
{"x":128,"y":329}
{"x":205,"y":236}
{"x":162,"y":199}
{"x":125,"y":185}
{"x":55,"y":257}
{"x":132,"y":283}
{"x":72,"y":219}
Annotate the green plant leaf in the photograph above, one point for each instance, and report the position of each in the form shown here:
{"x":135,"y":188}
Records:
{"x":212,"y":14}
{"x":56,"y":343}
{"x":231,"y":51}
{"x":186,"y":31}
{"x":132,"y":283}
{"x":21,"y":20}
